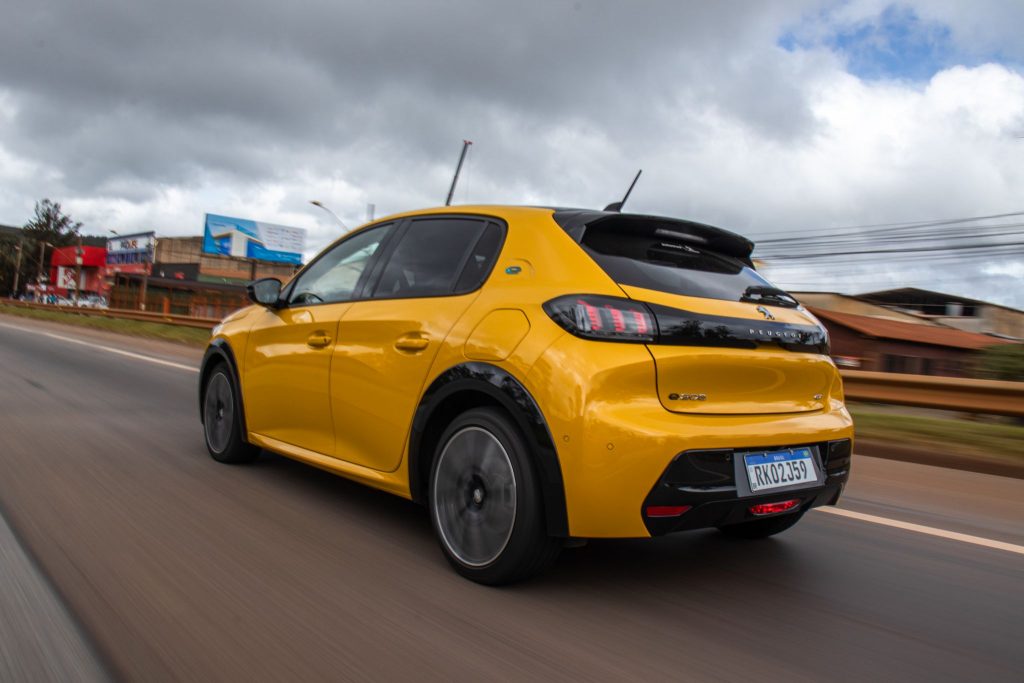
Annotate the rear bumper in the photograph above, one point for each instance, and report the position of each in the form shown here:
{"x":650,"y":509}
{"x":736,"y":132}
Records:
{"x":705,"y":483}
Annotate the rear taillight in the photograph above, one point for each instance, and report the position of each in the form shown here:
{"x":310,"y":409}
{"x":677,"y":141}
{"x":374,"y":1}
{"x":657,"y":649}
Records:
{"x":773,"y":508}
{"x":603,"y":317}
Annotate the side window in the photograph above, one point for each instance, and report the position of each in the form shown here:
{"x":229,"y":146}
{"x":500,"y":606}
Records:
{"x":335,"y":275}
{"x":481,"y":259}
{"x":429,"y":258}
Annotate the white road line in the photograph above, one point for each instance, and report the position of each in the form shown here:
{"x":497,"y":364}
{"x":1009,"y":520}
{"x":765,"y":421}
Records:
{"x":928,"y":530}
{"x":110,"y":349}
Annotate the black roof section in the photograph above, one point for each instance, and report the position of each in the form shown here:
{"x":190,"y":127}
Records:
{"x":576,"y":221}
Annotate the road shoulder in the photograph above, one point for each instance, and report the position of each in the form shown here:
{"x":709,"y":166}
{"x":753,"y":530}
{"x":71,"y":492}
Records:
{"x":39,"y":640}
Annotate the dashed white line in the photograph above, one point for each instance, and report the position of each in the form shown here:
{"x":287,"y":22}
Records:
{"x":927,"y":530}
{"x":101,"y":347}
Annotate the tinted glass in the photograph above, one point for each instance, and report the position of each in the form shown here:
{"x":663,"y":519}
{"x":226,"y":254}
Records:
{"x":335,"y":275}
{"x":670,"y":265}
{"x":428,"y":258}
{"x":481,"y":259}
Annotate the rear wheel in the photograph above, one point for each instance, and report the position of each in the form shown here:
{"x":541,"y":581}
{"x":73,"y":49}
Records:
{"x":762,"y":528}
{"x":485,"y":501}
{"x":222,"y":424}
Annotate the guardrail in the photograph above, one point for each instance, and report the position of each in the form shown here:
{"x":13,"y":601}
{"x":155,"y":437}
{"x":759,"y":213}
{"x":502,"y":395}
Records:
{"x":945,"y":393}
{"x":124,"y":314}
{"x":921,"y":391}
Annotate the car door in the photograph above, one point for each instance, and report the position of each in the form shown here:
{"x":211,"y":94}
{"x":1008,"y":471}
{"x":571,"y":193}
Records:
{"x":286,"y":384}
{"x":387,"y":344}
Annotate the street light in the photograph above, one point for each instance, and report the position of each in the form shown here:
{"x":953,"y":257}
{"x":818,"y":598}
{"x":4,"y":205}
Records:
{"x":315,"y":202}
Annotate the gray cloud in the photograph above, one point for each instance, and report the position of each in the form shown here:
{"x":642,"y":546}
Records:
{"x":150,"y":114}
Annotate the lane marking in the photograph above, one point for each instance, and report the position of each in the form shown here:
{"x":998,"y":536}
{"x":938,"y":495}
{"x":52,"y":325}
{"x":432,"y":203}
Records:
{"x":927,"y":530}
{"x":101,"y":347}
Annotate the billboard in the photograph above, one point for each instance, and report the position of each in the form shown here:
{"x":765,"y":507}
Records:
{"x":252,"y":239}
{"x":130,"y":253}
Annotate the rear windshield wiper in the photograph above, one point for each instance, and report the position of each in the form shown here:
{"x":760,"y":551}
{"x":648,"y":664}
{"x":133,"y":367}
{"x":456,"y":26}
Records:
{"x":759,"y":294}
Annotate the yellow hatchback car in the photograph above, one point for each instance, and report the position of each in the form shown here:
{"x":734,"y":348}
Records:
{"x":536,"y":376}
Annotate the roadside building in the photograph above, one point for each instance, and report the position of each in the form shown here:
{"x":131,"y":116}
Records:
{"x":88,"y":276}
{"x":970,"y":315}
{"x":879,"y":344}
{"x":185,"y":280}
{"x":185,"y":256}
{"x":177,"y":296}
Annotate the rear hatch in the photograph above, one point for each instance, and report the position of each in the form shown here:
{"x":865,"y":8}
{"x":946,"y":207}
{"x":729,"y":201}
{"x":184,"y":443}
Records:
{"x":729,"y":343}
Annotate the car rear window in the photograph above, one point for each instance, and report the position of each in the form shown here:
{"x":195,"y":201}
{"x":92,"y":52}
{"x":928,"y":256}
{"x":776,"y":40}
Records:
{"x":669,"y":261}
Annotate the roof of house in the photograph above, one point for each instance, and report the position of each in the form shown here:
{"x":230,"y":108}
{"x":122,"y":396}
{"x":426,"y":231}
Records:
{"x":880,"y":311}
{"x":913,"y":295}
{"x":882,"y":328}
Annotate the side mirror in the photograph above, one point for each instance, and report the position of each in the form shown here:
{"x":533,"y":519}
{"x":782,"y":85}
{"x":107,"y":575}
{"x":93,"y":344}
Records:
{"x":265,"y":291}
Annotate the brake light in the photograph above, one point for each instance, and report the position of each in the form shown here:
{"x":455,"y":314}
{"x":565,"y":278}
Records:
{"x":603,"y":317}
{"x":666,"y":510}
{"x":772,"y":508}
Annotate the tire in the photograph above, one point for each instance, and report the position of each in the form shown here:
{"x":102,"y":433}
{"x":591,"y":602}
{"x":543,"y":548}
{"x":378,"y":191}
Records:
{"x":222,"y":424}
{"x":485,"y":501}
{"x":762,"y":528}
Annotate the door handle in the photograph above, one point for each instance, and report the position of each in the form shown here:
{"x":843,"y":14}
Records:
{"x":318,"y":339}
{"x":410,"y":343}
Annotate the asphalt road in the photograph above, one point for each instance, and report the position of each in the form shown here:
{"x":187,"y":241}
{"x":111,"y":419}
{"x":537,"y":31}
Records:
{"x":173,"y":567}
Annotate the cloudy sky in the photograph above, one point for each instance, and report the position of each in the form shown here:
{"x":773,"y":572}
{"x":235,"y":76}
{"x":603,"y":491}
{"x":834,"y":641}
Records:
{"x":797,"y":117}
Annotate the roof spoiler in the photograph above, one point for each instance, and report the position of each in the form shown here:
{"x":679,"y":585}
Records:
{"x":577,"y":221}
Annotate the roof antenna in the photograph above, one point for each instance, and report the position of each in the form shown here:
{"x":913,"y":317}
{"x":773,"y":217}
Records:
{"x":617,"y":206}
{"x":462,"y":157}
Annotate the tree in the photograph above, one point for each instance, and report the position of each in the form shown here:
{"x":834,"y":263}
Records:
{"x":50,"y":226}
{"x":1005,"y":361}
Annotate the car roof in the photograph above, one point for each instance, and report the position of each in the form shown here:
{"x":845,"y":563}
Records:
{"x":575,"y":222}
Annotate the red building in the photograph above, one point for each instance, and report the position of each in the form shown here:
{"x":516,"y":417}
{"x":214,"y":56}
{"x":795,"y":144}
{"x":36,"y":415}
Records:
{"x":91,"y":271}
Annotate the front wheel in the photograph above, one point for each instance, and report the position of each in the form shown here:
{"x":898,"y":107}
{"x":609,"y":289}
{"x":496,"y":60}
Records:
{"x":222,"y":424}
{"x":485,"y":501}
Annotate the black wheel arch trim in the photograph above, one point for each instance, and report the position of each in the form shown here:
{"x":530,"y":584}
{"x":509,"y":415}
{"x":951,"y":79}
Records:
{"x":509,"y":392}
{"x":220,"y":351}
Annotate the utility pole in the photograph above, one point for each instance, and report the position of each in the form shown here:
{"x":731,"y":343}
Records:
{"x":462,"y":157}
{"x":17,"y":267}
{"x":42,"y":267}
{"x":78,"y":269}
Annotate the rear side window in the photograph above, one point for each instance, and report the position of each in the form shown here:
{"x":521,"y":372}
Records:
{"x":429,"y":258}
{"x":669,"y":262}
{"x":481,"y":259}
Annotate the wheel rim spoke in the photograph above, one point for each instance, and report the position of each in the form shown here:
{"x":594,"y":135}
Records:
{"x":474,"y":496}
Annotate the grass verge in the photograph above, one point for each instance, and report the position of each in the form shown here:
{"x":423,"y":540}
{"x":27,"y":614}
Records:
{"x":136,"y":328}
{"x":972,"y":437}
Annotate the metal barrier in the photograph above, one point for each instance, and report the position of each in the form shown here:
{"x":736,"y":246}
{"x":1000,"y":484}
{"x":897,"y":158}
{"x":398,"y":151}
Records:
{"x":922,"y":391}
{"x":144,"y":316}
{"x":945,"y":393}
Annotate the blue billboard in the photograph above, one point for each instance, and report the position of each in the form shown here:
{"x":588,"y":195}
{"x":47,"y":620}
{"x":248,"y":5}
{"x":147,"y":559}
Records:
{"x":241,"y":237}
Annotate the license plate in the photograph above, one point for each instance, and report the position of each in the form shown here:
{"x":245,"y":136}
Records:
{"x":777,"y":469}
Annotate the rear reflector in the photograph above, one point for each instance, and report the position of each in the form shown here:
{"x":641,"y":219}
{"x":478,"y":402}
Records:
{"x":772,"y":508}
{"x":666,"y":510}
